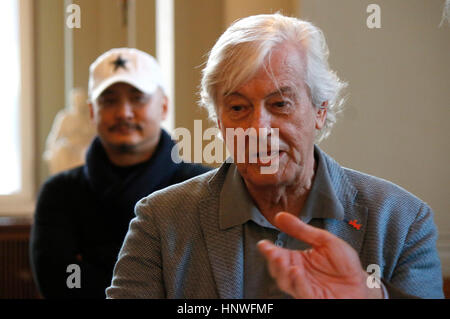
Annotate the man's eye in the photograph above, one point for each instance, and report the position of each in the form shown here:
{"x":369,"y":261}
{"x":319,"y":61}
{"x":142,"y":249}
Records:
{"x":107,"y":101}
{"x":142,"y":98}
{"x":237,"y":108}
{"x":284,"y":106}
{"x":280,"y":104}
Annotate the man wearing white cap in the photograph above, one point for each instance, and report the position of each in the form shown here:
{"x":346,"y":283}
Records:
{"x":82,"y":215}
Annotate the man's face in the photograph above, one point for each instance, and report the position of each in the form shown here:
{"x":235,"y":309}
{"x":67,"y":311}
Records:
{"x":283,"y":104}
{"x":128,"y":120}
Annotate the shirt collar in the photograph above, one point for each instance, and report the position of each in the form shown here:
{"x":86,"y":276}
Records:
{"x":322,"y":201}
{"x":237,"y":207}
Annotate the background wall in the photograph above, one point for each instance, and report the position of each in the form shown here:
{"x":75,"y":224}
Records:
{"x":49,"y":73}
{"x":395,"y":124}
{"x":198,"y":23}
{"x":236,"y":9}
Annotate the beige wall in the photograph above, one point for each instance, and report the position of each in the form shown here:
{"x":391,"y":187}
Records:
{"x":236,"y":9}
{"x":395,"y":125}
{"x":198,"y":23}
{"x":49,"y":75}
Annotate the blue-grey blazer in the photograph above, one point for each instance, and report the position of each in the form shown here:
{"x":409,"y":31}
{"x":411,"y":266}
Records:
{"x":175,"y":249}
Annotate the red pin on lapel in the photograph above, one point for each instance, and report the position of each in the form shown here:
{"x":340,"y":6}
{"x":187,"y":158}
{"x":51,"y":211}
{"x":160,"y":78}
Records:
{"x":355,"y":224}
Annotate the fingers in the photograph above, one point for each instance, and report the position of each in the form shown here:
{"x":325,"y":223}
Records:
{"x":336,"y":249}
{"x":294,"y":227}
{"x":273,"y":255}
{"x":296,"y":275}
{"x":279,"y":264}
{"x":265,"y":247}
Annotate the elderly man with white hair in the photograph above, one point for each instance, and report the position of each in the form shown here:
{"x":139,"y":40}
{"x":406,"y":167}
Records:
{"x":211,"y":237}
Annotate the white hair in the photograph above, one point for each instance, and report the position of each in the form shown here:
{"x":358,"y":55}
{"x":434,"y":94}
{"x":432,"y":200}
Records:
{"x":445,"y":13}
{"x":242,"y":49}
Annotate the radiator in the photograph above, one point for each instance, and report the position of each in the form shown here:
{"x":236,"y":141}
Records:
{"x":16,"y":280}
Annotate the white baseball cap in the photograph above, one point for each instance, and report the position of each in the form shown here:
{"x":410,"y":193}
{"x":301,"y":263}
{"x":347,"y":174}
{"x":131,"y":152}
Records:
{"x":128,"y":65}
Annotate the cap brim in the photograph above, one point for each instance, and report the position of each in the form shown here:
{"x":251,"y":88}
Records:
{"x":149,"y":89}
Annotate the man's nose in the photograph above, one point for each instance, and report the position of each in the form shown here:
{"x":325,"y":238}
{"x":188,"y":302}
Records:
{"x":261,"y":118}
{"x":124,"y":110}
{"x":261,"y":131}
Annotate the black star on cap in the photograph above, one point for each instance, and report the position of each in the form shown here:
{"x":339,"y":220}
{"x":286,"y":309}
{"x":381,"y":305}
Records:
{"x":119,"y":63}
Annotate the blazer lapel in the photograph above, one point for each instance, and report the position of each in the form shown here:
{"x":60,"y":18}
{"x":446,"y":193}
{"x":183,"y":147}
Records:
{"x":353,"y":235}
{"x":352,"y":226}
{"x":225,"y":247}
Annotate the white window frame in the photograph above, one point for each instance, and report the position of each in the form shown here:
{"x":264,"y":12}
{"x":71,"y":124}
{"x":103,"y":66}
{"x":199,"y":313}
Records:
{"x":23,"y":202}
{"x":165,"y":53}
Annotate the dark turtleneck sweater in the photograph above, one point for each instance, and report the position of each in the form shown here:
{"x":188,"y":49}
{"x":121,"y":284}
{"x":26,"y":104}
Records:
{"x":82,"y":217}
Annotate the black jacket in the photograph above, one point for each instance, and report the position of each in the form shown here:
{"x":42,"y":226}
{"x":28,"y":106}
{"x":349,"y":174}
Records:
{"x":82,"y":217}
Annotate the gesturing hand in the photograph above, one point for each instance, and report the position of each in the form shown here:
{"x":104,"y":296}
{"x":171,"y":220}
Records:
{"x":331,"y":269}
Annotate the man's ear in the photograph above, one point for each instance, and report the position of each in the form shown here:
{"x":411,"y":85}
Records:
{"x":165,"y":108}
{"x":91,"y":111}
{"x":321,"y":115}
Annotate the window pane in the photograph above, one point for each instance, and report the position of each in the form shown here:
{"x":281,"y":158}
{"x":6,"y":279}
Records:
{"x":10,"y":161}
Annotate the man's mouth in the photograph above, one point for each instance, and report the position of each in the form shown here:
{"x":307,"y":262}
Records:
{"x":124,"y":128}
{"x":265,"y":157}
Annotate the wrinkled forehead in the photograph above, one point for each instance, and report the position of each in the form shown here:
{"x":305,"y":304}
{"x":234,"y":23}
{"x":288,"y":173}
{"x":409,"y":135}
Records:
{"x":283,"y":66}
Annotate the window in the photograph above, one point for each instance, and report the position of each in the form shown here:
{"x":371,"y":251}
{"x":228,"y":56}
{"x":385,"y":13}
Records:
{"x":10,"y":172}
{"x":16,"y":120}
